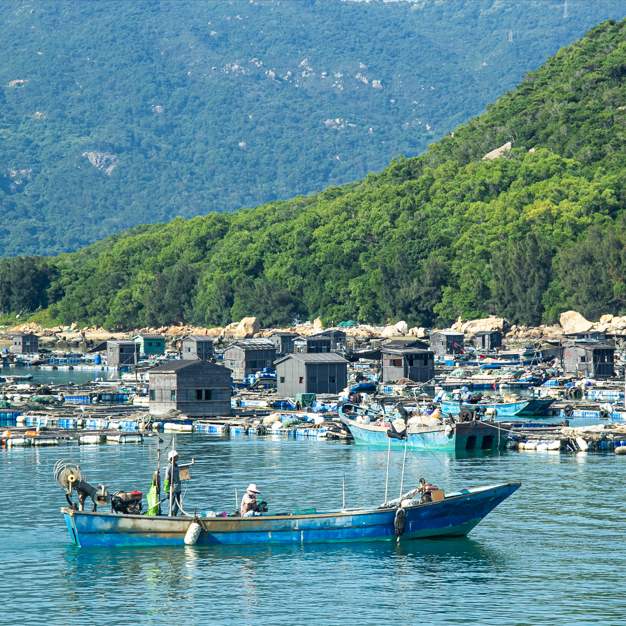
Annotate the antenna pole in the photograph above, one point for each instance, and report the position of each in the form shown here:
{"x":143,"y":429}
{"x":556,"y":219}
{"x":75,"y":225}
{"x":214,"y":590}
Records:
{"x":388,"y":453}
{"x":406,"y":441}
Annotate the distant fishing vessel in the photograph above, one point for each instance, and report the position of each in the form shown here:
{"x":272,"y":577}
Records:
{"x":529,"y":407}
{"x":370,"y":427}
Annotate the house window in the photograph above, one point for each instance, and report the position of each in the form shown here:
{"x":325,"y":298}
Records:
{"x":331,"y":379}
{"x":150,"y":344}
{"x":198,"y":394}
{"x":207,"y":394}
{"x":282,"y":379}
{"x":395,"y":362}
{"x":173,"y":395}
{"x":188,"y":349}
{"x":152,"y":395}
{"x":301,"y":380}
{"x":583,"y":359}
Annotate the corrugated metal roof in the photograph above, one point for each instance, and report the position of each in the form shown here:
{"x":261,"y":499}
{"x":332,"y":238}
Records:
{"x":149,"y":336}
{"x":198,"y":338}
{"x":177,"y":365}
{"x":323,"y":357}
{"x":386,"y":350}
{"x":257,"y":344}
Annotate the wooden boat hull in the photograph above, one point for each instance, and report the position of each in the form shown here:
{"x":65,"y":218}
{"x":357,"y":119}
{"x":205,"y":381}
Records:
{"x":456,"y":515}
{"x":528,"y":407}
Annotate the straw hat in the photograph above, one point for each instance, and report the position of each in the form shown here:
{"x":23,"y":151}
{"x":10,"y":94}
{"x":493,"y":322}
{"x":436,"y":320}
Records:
{"x":252,"y":488}
{"x":172,"y":454}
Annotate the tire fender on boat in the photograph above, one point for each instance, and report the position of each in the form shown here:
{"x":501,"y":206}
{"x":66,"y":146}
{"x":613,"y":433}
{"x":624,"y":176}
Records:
{"x":399,"y":521}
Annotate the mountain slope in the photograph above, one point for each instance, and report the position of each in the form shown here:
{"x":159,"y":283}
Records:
{"x":448,"y":233}
{"x":115,"y":114}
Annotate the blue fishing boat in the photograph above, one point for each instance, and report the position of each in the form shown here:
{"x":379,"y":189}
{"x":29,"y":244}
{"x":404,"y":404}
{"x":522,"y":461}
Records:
{"x":519,"y":408}
{"x":456,"y":514}
{"x":370,"y":428}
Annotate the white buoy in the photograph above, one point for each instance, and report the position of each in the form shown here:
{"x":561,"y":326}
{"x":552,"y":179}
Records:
{"x":192,"y":534}
{"x":620,"y":450}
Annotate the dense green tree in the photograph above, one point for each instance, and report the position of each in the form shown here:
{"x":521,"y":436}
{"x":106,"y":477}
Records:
{"x":592,"y":272}
{"x":521,"y":275}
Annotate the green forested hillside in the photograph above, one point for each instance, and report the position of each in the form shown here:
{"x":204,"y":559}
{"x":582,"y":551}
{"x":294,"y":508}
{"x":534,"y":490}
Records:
{"x":541,"y":229}
{"x":117,"y":113}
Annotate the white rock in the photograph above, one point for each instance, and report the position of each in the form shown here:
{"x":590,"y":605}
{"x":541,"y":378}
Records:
{"x":248,"y":327}
{"x":498,"y":152}
{"x":403,"y":327}
{"x":574,"y":322}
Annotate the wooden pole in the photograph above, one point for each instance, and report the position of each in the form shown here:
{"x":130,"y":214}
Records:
{"x":387,"y":480}
{"x":236,"y":500}
{"x":406,"y":441}
{"x":344,"y":490}
{"x":172,"y":478}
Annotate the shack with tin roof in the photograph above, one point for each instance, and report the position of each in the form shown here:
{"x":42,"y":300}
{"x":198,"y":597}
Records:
{"x":122,"y":353}
{"x":283,"y":340}
{"x":150,"y":344}
{"x":25,"y":343}
{"x":409,"y":363}
{"x":249,"y":356}
{"x":488,"y":339}
{"x":589,"y":358}
{"x":197,"y":347}
{"x":196,"y":388}
{"x":311,"y":373}
{"x":315,"y":344}
{"x":446,"y":342}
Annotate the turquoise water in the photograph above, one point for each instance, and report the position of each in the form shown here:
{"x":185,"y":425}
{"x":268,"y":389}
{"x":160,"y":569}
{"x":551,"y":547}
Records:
{"x":552,"y":554}
{"x":62,"y":377}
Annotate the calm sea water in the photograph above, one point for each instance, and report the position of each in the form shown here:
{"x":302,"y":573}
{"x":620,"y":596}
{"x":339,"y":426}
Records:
{"x":552,"y":554}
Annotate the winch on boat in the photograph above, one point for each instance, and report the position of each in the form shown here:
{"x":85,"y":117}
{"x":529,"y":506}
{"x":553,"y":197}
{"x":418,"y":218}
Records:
{"x":69,"y":477}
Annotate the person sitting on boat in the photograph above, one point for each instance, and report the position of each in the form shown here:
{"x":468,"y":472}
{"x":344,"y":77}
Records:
{"x":172,"y":481}
{"x":249,"y":502}
{"x":425,"y":489}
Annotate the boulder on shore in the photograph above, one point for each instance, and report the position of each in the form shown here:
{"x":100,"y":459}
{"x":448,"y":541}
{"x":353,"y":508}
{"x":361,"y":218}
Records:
{"x":574,"y":322}
{"x":248,"y":327}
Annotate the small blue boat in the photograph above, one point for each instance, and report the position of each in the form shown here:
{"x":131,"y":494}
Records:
{"x":528,"y":407}
{"x":454,"y":515}
{"x":450,"y":437}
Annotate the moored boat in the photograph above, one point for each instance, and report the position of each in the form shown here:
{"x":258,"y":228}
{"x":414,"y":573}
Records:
{"x":518,"y":408}
{"x":451,"y":436}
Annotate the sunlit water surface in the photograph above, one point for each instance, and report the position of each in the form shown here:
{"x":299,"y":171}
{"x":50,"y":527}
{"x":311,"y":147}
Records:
{"x":552,"y":554}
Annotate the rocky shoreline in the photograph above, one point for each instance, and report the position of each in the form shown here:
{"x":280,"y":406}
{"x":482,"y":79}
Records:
{"x":571,"y":323}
